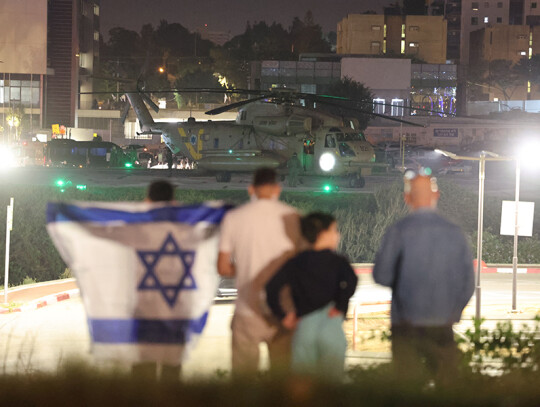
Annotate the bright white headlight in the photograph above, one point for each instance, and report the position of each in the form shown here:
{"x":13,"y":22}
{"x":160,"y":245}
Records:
{"x":7,"y":158}
{"x":327,"y":162}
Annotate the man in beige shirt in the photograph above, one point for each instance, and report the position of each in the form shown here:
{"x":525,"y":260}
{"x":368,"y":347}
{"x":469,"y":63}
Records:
{"x":256,"y":239}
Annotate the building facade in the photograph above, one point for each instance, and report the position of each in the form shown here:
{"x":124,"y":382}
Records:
{"x":73,"y":52}
{"x":419,"y":36}
{"x":23,"y":66}
{"x":398,"y":83}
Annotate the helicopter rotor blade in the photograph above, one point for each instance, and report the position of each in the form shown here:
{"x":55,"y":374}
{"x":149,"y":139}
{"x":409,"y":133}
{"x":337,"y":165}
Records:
{"x":324,"y":98}
{"x":125,"y":112}
{"x":149,"y":102}
{"x":353,"y":109}
{"x":233,"y":105}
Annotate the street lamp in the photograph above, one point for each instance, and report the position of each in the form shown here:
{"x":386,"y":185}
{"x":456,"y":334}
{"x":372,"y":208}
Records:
{"x":481,"y":178}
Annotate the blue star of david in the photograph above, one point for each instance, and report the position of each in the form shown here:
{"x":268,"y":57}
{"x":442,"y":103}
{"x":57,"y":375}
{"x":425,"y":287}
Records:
{"x":151,"y":281}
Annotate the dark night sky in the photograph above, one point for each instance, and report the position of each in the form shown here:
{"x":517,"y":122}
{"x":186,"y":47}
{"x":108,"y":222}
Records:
{"x":228,"y":15}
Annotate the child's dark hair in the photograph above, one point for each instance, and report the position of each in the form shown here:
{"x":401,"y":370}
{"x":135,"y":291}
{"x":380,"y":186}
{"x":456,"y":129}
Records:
{"x":315,"y":223}
{"x":160,"y":191}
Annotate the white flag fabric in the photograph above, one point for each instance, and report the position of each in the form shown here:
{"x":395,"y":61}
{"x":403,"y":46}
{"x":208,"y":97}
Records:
{"x":146,"y":271}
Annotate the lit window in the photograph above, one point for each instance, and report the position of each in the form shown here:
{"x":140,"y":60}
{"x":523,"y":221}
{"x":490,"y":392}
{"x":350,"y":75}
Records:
{"x":474,"y":5}
{"x":486,"y":20}
{"x":522,"y":53}
{"x":96,"y":35}
{"x":413,"y":44}
{"x":375,"y":28}
{"x":402,"y":30}
{"x":397,"y":107}
{"x":378,"y":106}
{"x":96,"y":9}
{"x":402,"y":46}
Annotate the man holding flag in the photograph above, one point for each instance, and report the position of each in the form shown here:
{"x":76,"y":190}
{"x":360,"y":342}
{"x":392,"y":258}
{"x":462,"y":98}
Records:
{"x":146,"y":273}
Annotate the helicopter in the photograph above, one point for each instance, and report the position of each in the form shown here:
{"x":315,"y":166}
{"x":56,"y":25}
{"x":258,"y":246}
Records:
{"x":269,"y":129}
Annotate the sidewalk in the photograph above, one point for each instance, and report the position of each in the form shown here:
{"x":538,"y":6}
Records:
{"x":33,"y":296}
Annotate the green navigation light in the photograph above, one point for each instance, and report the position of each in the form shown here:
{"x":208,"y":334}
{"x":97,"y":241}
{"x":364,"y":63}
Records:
{"x":81,"y":187}
{"x":128,"y":165}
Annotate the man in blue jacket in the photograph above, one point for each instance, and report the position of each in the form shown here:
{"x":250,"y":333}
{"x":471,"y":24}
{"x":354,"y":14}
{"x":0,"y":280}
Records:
{"x":427,"y":262}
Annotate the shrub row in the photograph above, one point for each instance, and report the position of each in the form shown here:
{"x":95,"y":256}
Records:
{"x":363,"y":218}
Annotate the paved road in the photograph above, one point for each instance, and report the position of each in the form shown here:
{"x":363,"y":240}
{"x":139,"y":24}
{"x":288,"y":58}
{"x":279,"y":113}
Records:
{"x":43,"y":338}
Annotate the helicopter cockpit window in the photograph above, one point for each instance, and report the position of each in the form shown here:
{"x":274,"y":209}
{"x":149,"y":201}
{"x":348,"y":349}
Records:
{"x":330,"y":141}
{"x":351,"y":137}
{"x":345,"y":150}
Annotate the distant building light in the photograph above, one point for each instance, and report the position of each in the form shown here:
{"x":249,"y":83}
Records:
{"x":413,"y":44}
{"x":486,"y":20}
{"x":522,"y":53}
{"x":495,"y":99}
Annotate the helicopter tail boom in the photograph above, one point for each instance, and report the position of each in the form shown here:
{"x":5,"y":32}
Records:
{"x":144,"y":116}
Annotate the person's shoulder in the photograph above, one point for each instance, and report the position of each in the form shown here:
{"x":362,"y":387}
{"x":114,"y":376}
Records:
{"x":282,"y":207}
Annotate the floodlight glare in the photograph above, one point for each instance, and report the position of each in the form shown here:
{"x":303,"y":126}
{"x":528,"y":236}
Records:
{"x":7,"y":157}
{"x":528,"y":154}
{"x":327,"y":162}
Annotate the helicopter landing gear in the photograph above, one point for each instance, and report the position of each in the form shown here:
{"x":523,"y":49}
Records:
{"x":223,"y":177}
{"x":356,"y":181}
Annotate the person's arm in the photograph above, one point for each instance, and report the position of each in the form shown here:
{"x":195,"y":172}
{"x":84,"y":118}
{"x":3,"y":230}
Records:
{"x":274,"y":286}
{"x":225,"y":264}
{"x":387,"y":258}
{"x":347,"y":282}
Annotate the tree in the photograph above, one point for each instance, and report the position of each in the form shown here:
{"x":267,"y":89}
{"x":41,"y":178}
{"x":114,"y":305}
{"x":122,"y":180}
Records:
{"x":360,"y":99}
{"x":198,"y":78}
{"x":414,"y":7}
{"x":529,"y":69}
{"x":306,"y":36}
{"x":498,"y":74}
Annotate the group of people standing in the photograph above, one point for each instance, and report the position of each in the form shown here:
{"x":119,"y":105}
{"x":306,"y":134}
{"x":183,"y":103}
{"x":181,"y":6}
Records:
{"x":294,"y":289}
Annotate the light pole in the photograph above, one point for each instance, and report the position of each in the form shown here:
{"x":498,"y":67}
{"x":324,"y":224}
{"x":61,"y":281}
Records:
{"x":516,"y":231}
{"x":481,"y":178}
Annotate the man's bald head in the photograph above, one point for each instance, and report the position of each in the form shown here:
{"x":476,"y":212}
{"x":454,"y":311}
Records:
{"x":421,"y":192}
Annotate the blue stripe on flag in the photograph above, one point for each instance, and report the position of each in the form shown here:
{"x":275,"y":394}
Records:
{"x":158,"y":331}
{"x":189,"y":214}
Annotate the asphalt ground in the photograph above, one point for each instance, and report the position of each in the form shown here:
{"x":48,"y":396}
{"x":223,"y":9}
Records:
{"x":500,"y":180}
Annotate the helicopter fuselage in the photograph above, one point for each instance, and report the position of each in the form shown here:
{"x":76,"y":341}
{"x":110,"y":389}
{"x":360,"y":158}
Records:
{"x":266,"y":134}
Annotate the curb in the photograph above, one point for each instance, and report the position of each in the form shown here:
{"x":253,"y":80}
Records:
{"x":44,"y":301}
{"x":488,"y":270}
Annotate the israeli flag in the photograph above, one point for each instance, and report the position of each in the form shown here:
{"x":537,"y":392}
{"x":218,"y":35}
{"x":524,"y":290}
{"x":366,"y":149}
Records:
{"x":146,"y":271}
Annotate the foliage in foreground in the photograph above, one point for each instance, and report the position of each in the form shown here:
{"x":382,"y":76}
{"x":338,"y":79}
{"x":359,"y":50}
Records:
{"x":78,"y":385}
{"x":362,"y":218}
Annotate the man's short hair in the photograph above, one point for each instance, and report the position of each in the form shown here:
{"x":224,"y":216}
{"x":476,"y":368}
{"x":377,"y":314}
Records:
{"x":160,"y":191}
{"x":264,"y":176}
{"x":315,"y":223}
